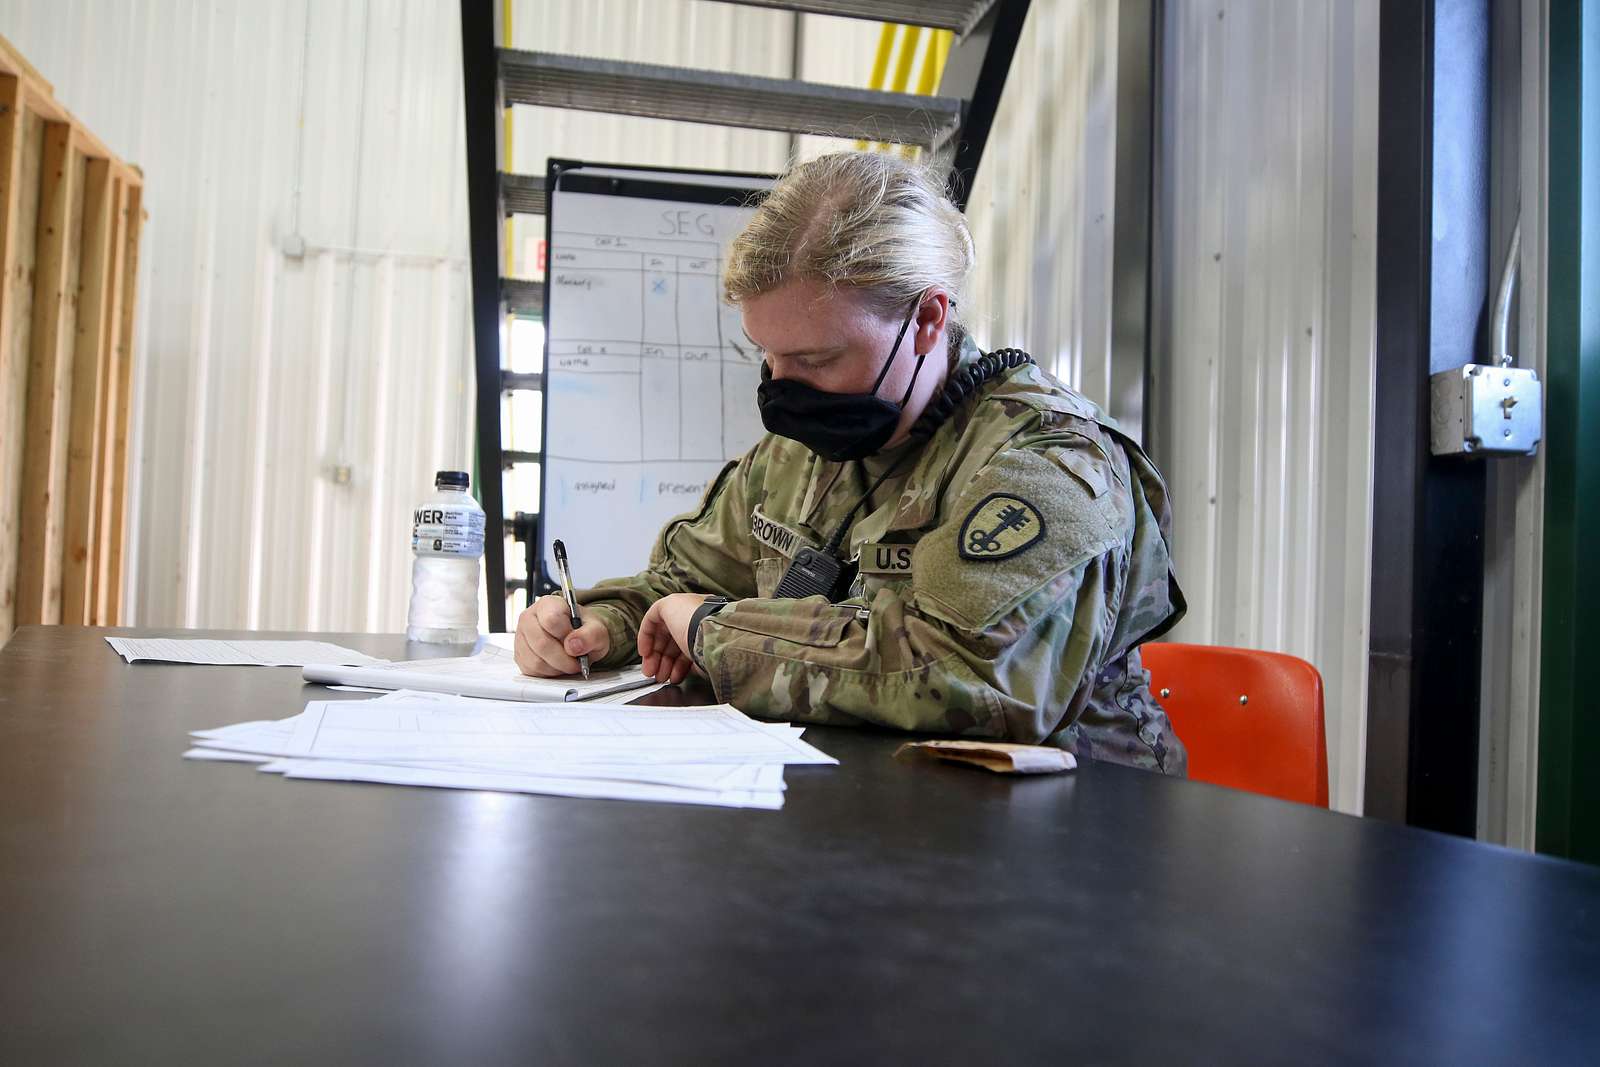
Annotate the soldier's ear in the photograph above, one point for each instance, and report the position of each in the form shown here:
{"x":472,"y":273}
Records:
{"x":933,"y":318}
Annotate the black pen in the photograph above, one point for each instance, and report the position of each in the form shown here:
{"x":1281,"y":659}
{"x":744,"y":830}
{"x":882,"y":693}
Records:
{"x":572,"y":601}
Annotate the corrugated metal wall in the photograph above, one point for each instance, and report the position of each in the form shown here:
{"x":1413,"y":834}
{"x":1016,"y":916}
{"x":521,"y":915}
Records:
{"x":1041,"y":208}
{"x":1263,"y":334}
{"x":304,"y":361}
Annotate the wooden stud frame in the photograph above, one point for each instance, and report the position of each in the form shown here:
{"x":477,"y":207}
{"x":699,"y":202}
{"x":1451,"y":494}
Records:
{"x":70,"y":220}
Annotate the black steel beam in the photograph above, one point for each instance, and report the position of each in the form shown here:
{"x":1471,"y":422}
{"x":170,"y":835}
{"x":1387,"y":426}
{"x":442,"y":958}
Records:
{"x":1138,"y":23}
{"x":1425,"y":656}
{"x":481,"y":85}
{"x":532,"y":381}
{"x":976,"y":73}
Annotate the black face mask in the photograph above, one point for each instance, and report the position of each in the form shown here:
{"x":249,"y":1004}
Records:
{"x":836,"y":426}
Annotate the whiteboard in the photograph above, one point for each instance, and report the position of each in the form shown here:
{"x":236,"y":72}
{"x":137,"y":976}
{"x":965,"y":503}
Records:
{"x":650,"y":384}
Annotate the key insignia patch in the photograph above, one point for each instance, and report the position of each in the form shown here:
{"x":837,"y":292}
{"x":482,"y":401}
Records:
{"x":1000,"y":526}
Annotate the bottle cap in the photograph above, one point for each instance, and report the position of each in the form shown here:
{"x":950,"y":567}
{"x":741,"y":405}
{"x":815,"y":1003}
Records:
{"x":459,"y":479}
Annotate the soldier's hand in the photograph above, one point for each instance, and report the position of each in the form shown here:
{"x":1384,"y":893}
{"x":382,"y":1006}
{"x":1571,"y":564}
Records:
{"x":548,"y":647}
{"x":664,"y":637}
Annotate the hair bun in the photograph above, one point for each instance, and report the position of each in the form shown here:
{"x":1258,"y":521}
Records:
{"x":871,"y":222}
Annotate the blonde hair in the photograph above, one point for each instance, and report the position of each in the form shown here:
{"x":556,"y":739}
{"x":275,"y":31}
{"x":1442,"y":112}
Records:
{"x":868,"y":221}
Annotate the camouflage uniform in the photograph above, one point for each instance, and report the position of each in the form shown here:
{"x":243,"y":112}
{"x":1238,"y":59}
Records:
{"x":1006,"y":575}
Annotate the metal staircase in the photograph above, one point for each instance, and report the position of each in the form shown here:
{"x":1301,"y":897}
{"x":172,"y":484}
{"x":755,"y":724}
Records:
{"x":952,"y":125}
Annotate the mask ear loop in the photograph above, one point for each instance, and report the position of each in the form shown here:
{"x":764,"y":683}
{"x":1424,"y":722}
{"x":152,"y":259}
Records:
{"x":916,"y":302}
{"x":838,"y":535}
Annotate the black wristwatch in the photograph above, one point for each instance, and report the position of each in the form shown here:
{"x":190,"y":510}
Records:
{"x":708,"y":608}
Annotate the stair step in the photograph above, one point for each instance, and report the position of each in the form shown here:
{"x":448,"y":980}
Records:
{"x":512,"y":381}
{"x":722,"y":99}
{"x":523,"y":298}
{"x":522,"y":194}
{"x":957,"y":15}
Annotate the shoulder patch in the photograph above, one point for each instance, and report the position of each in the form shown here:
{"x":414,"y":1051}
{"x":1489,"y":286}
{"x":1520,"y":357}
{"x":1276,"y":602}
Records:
{"x":998,"y":527}
{"x":984,"y":560}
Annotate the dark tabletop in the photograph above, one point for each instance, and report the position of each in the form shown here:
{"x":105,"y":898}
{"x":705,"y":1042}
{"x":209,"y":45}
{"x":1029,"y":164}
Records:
{"x":154,"y":909}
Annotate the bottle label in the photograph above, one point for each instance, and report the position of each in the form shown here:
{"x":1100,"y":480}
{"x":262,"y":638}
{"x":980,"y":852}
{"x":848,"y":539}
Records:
{"x":447,"y":531}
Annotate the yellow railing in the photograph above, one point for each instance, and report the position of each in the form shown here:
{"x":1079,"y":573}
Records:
{"x":509,"y":165}
{"x":898,"y":45}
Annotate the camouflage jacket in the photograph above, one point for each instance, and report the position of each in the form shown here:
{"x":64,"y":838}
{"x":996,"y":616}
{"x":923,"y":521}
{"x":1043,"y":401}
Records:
{"x":1006,"y":575}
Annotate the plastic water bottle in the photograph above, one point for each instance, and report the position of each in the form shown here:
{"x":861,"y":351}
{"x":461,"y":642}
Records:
{"x":447,"y":541}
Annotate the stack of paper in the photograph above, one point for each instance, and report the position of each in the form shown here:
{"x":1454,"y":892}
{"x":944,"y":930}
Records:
{"x":235,"y":653}
{"x":702,"y":755}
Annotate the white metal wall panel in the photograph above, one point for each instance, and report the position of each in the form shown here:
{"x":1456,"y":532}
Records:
{"x":262,"y":372}
{"x":1041,"y":208}
{"x":1263,"y":334}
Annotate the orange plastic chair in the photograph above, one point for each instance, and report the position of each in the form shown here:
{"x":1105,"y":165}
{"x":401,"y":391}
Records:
{"x":1250,"y":720}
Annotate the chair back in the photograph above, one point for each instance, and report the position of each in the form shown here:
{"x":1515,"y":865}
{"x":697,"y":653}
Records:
{"x":1250,"y":720}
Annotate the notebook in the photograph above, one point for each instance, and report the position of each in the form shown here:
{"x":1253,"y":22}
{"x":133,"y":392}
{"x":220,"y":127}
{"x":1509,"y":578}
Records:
{"x":492,"y":673}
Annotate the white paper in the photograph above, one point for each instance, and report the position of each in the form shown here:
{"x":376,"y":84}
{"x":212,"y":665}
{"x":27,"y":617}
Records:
{"x":258,"y":738}
{"x":472,"y":730}
{"x":1027,"y":762}
{"x":594,"y":788}
{"x":580,"y":750}
{"x":624,"y":696}
{"x":236,"y":653}
{"x":266,"y":741}
{"x":627,"y":696}
{"x":492,"y":673}
{"x":220,"y":755}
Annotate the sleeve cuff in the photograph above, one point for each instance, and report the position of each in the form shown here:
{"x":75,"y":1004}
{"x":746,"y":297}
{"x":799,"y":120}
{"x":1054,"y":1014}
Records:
{"x":710,"y":607}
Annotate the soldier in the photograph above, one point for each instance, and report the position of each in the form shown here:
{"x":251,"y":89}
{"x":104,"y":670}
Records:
{"x":928,"y":538}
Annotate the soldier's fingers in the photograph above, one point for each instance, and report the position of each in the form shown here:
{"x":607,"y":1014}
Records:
{"x":681,"y":664}
{"x":666,"y":654}
{"x":653,"y":632}
{"x":530,"y":662}
{"x":671,"y":666}
{"x":649,"y":655}
{"x":661,"y":663}
{"x":650,"y":664}
{"x":527,"y":662}
{"x":549,"y":650}
{"x":590,"y":639}
{"x":551,"y":611}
